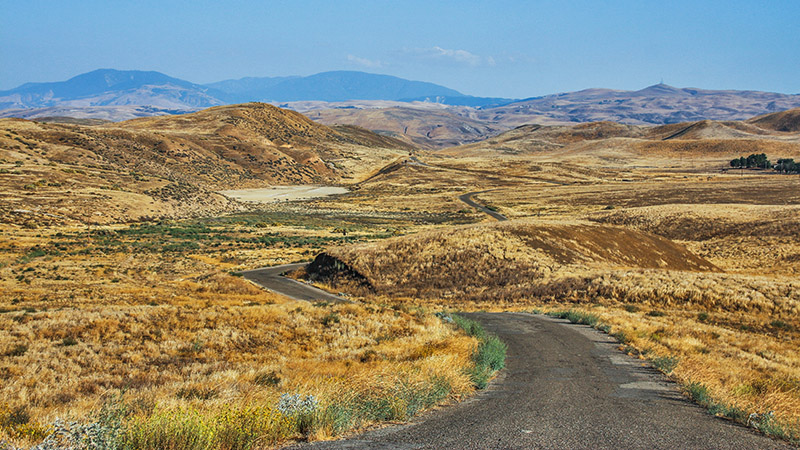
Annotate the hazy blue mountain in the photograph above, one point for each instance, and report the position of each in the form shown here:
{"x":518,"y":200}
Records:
{"x":108,"y":87}
{"x":248,"y":88}
{"x":340,"y":86}
{"x":105,"y":87}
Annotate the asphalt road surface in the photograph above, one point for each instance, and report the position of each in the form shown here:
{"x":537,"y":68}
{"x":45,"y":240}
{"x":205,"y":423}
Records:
{"x":272,"y":279}
{"x":467,"y":198}
{"x":565,"y":387}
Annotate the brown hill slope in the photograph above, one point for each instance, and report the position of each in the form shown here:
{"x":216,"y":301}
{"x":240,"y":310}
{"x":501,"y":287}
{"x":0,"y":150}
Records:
{"x":170,"y":165}
{"x":502,"y":260}
{"x":787,"y":121}
{"x":612,"y":141}
{"x":427,"y":128}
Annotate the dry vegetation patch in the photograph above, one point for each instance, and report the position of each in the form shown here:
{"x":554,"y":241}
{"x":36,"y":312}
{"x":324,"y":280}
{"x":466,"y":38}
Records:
{"x":506,"y":260}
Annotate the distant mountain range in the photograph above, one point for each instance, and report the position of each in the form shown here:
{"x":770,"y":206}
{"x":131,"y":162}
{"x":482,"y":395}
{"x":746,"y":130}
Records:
{"x":108,"y":87}
{"x":657,"y":105}
{"x":117,"y":95}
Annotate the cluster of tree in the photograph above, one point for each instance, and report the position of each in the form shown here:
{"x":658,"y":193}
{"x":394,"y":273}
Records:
{"x":784,"y":165}
{"x":753,"y":160}
{"x":787,"y":165}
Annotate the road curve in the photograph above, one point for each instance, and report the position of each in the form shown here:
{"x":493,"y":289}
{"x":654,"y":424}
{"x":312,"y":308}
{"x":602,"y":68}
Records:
{"x":272,"y":278}
{"x":565,"y":387}
{"x":467,"y":198}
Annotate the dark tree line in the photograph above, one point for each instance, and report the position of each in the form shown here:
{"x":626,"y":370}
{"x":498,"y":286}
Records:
{"x":787,"y":165}
{"x":760,"y":161}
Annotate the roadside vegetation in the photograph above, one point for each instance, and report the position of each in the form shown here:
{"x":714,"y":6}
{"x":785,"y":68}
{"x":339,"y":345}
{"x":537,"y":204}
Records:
{"x":724,"y":328}
{"x":232,"y":377}
{"x":142,"y":336}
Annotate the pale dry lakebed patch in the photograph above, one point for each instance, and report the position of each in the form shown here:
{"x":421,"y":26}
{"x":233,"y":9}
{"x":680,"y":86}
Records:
{"x":283,"y":193}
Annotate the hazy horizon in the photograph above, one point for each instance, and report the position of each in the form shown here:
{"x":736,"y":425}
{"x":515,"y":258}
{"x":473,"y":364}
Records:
{"x":508,"y":49}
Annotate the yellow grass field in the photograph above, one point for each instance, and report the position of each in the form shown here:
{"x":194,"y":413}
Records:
{"x":143,"y":320}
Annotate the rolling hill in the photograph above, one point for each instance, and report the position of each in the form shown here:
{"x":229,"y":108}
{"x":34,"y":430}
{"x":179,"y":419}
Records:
{"x":785,"y":121}
{"x":501,"y":261}
{"x":171,"y":166}
{"x":430,"y":128}
{"x":615,"y":145}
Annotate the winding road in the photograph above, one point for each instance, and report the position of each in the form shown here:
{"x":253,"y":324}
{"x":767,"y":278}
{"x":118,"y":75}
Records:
{"x":467,"y":198}
{"x":565,"y":387}
{"x":272,"y":278}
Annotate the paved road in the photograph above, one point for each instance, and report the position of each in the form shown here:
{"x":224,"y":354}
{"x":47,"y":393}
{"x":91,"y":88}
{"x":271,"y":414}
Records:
{"x":467,"y":198}
{"x":272,"y":279}
{"x":565,"y":387}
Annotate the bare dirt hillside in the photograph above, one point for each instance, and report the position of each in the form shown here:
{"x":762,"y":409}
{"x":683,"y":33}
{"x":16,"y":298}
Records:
{"x":171,"y":166}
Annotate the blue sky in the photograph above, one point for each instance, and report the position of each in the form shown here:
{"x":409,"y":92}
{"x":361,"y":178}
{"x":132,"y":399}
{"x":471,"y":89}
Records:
{"x":492,"y":48}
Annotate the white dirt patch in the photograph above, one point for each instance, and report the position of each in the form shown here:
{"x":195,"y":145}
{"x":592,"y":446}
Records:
{"x":283,"y":193}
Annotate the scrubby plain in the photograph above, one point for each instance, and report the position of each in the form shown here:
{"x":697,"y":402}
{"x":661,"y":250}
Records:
{"x":687,"y":262}
{"x":149,"y":319}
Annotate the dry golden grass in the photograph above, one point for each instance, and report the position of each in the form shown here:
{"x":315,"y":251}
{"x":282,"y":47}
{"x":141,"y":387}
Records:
{"x":56,"y":174}
{"x":152,"y":311}
{"x":731,"y":328}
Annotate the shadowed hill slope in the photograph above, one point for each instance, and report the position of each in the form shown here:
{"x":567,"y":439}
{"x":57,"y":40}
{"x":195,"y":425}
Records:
{"x":502,"y":260}
{"x":787,"y":121}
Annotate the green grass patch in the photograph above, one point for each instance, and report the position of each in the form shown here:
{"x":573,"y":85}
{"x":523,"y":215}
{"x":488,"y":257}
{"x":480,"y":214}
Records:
{"x":765,"y":423}
{"x":488,"y":357}
{"x":576,"y":317}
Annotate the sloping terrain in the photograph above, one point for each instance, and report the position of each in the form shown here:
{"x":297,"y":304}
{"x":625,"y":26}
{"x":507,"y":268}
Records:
{"x":427,"y":128}
{"x":786,"y":121}
{"x":116,"y":113}
{"x":606,"y":142}
{"x":501,"y":261}
{"x":170,"y":165}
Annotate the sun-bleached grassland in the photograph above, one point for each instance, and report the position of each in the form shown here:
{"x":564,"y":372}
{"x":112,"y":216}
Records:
{"x":729,"y":326}
{"x":150,"y":318}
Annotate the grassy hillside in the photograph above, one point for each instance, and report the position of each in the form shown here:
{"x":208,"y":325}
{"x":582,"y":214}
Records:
{"x":784,"y":121}
{"x":506,"y":261}
{"x":171,"y":166}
